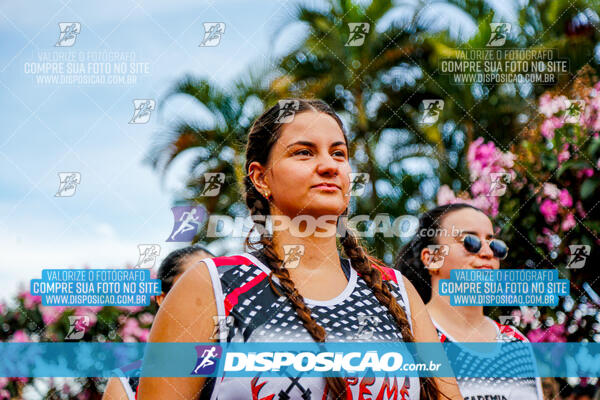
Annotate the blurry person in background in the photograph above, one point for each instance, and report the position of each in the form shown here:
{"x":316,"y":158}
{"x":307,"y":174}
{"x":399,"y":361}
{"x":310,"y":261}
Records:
{"x":584,"y":392}
{"x":460,"y":236}
{"x":171,"y":268}
{"x":551,"y":389}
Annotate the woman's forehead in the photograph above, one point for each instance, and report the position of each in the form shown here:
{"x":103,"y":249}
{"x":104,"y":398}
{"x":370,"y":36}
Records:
{"x":315,"y":127}
{"x":468,"y":220}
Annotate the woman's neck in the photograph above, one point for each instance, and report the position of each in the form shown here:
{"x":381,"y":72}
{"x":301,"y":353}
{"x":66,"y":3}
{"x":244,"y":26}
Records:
{"x":445,"y":314}
{"x":316,"y":252}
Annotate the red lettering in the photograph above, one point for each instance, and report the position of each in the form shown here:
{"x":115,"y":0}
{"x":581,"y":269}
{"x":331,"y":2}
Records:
{"x":350,"y":381}
{"x":404,"y":391}
{"x":362,"y":388}
{"x":256,"y":390}
{"x":389,"y":392}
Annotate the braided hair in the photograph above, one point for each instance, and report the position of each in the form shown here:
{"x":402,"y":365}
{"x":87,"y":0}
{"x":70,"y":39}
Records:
{"x":264,"y":133}
{"x":409,"y":259}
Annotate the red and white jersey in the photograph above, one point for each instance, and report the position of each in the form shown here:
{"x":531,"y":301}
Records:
{"x":495,"y":388}
{"x":242,"y":291}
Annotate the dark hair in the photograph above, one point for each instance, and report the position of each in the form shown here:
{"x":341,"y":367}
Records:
{"x":170,"y":267}
{"x":584,"y":390}
{"x":265,"y":131}
{"x":409,"y":259}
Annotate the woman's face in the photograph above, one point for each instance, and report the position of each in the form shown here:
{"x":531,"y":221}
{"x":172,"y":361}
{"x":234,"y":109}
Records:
{"x":454,"y":226}
{"x":308,"y":169}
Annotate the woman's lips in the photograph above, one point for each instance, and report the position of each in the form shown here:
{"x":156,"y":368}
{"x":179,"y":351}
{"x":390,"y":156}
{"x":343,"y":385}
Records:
{"x":327,"y":188}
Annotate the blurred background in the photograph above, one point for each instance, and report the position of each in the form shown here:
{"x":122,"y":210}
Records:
{"x":200,"y":94}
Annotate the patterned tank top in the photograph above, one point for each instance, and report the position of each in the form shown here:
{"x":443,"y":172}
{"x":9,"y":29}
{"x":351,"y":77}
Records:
{"x":255,"y":313}
{"x":498,"y":388}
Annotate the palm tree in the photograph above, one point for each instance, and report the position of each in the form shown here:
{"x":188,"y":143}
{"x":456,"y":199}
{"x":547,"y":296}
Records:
{"x":218,"y":145}
{"x":374,"y":87}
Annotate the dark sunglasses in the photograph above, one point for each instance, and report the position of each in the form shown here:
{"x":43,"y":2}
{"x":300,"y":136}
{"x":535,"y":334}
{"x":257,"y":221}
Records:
{"x":473,"y":244}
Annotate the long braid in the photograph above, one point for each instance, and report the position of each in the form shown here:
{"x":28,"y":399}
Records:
{"x":363,"y":264}
{"x":257,"y":205}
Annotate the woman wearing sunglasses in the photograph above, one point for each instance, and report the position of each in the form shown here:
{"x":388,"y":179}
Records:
{"x":460,"y":236}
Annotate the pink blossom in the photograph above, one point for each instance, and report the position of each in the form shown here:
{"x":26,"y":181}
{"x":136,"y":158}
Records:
{"x":3,"y":382}
{"x":536,"y":335}
{"x":550,"y":106}
{"x":568,"y":222}
{"x":548,"y":126}
{"x":20,"y":337}
{"x":29,"y":301}
{"x":564,"y":154}
{"x":528,"y":315}
{"x":557,"y":333}
{"x":588,"y":172}
{"x":549,"y":210}
{"x":143,"y":335}
{"x":4,"y":394}
{"x":565,"y":198}
{"x":445,"y":195}
{"x":480,"y":187}
{"x":86,"y":311}
{"x":508,"y":159}
{"x":51,"y":314}
{"x":580,"y":210}
{"x":146,"y":318}
{"x":591,"y":114}
{"x":130,"y":309}
{"x":132,"y":332}
{"x":550,"y":190}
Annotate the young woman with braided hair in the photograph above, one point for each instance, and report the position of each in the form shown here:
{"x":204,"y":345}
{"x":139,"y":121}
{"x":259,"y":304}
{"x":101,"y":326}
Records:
{"x":467,"y":235}
{"x":296,"y":170}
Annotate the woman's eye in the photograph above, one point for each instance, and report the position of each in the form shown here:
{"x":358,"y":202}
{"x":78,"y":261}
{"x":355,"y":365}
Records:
{"x":339,"y":153}
{"x":302,"y":152}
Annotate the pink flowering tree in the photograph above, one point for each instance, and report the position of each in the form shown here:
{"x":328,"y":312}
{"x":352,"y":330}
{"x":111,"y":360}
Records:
{"x":549,"y":201}
{"x":24,"y":319}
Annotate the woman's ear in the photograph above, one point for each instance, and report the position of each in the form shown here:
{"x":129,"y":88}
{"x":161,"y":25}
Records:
{"x":160,"y":298}
{"x":425,"y":256}
{"x":257,"y":174}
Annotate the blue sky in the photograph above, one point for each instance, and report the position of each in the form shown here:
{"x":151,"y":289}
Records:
{"x":51,"y":128}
